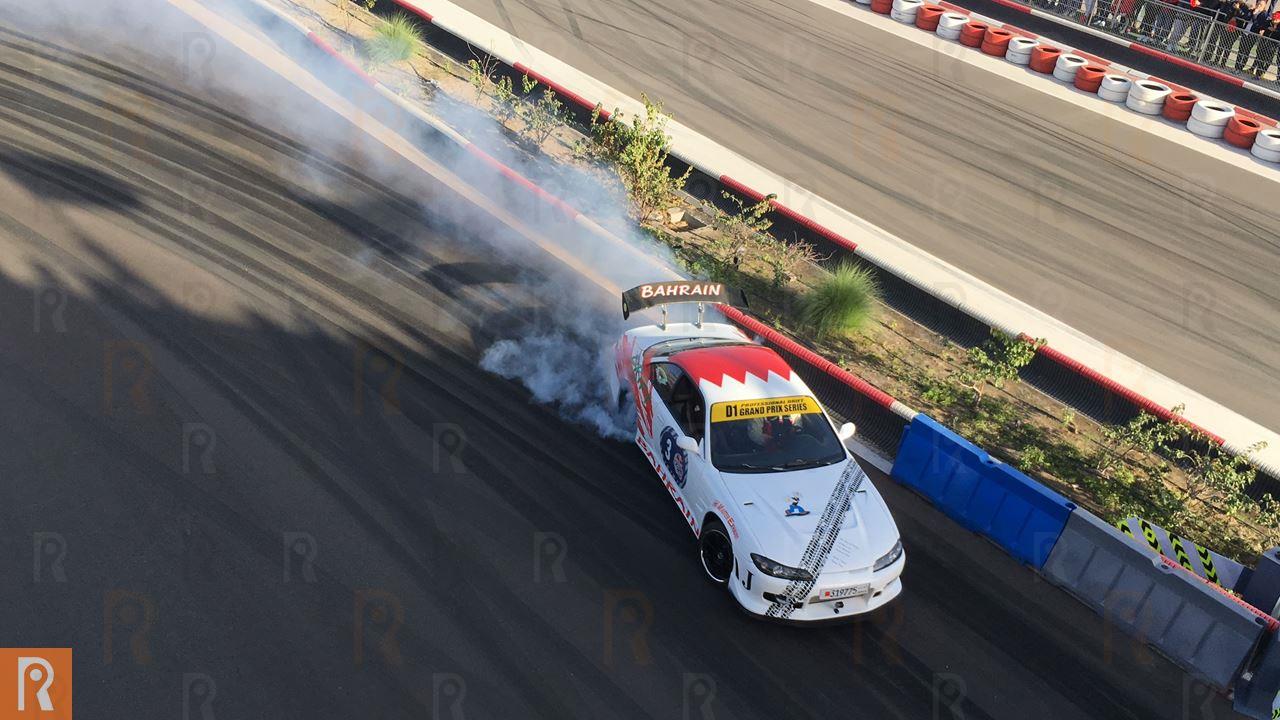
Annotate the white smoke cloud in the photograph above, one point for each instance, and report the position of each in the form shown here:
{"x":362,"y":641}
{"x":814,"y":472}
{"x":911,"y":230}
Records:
{"x":566,"y":371}
{"x":561,"y":355}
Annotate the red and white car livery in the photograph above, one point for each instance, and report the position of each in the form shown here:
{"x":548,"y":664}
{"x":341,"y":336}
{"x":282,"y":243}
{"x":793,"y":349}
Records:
{"x":783,"y":514}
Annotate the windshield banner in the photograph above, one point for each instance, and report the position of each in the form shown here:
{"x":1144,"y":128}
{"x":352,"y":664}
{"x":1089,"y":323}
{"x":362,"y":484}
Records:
{"x":769,"y":407}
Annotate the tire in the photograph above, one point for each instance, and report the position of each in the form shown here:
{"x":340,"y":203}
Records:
{"x":1115,"y":84}
{"x":1067,"y":67}
{"x":1149,"y":91}
{"x":928,"y":16}
{"x":950,"y":24}
{"x":972,"y":32}
{"x":1180,"y":102}
{"x":1263,"y":153}
{"x":1089,"y":78}
{"x":907,"y":6}
{"x":1115,"y":96}
{"x":1242,"y":131}
{"x":1204,"y":130}
{"x":906,"y":18}
{"x":715,"y":551}
{"x":1268,"y":139}
{"x":996,"y":42}
{"x":1019,"y":52}
{"x":1212,"y":112}
{"x":1146,"y":108}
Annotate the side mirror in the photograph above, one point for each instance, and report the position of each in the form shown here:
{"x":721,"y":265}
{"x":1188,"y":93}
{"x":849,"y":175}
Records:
{"x":685,"y":442}
{"x":847,"y":430}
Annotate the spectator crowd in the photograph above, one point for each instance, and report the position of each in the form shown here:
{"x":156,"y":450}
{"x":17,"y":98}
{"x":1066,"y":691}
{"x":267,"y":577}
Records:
{"x":1209,"y":31}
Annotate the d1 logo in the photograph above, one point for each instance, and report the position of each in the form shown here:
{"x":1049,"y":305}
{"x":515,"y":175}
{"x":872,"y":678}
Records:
{"x":673,"y":456}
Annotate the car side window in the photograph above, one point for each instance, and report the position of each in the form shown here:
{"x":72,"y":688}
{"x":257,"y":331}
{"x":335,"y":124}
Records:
{"x":687,"y":407}
{"x":682,"y":398}
{"x":695,"y":421}
{"x":664,"y":377}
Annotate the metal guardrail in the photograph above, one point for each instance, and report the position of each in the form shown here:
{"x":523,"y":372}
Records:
{"x":1175,"y":28}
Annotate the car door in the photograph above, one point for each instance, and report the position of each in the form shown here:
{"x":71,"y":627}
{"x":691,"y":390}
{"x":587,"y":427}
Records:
{"x":679,"y":410}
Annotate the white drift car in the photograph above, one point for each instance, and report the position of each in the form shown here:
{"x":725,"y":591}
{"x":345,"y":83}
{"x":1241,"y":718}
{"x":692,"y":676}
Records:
{"x":783,"y":514}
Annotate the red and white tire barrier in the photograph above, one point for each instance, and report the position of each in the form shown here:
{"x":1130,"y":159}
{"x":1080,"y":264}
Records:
{"x":1143,"y":94}
{"x":1139,"y":47}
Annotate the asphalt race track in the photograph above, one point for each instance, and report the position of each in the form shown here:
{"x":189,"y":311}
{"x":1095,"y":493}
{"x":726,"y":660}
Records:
{"x":1167,"y":259}
{"x":251,"y":468}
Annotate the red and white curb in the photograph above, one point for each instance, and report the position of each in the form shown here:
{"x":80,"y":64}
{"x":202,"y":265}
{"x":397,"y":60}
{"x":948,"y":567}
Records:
{"x":1067,"y":346}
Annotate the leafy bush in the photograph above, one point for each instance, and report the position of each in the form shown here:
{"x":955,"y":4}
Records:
{"x":543,"y":116}
{"x":996,"y":362}
{"x":1031,"y":459}
{"x":740,"y":230}
{"x":482,"y":73}
{"x":394,"y":40}
{"x":637,"y":152}
{"x":842,"y":303}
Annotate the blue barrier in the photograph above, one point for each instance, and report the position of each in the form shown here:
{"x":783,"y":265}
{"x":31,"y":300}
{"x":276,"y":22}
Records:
{"x":982,"y":494}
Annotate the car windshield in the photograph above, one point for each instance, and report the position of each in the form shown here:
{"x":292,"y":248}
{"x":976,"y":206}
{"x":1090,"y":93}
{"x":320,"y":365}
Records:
{"x":746,"y":438}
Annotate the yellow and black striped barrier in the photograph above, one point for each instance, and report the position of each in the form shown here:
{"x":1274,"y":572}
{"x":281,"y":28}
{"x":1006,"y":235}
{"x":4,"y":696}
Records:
{"x":1217,"y":569}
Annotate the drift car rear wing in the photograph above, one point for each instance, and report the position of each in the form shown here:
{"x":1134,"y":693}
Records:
{"x":680,"y":291}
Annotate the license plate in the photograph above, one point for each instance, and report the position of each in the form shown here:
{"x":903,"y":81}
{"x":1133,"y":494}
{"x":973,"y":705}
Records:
{"x":842,"y":593}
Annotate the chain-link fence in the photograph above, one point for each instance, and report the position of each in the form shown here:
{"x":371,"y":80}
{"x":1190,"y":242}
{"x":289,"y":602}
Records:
{"x":1199,"y":35}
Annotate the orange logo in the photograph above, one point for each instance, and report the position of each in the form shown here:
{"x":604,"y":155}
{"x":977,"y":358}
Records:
{"x":35,"y":683}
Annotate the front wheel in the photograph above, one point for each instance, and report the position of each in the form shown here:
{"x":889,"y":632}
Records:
{"x":716,"y":552}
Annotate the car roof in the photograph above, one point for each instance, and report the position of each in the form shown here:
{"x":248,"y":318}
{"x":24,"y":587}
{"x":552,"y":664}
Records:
{"x":739,"y":371}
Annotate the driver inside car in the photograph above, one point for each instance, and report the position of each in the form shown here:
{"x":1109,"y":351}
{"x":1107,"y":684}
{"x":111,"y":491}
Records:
{"x":773,"y":433}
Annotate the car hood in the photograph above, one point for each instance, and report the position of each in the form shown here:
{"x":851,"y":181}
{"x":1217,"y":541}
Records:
{"x":762,"y":499}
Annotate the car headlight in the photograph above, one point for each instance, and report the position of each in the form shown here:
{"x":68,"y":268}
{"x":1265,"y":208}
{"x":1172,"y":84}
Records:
{"x":889,"y":558}
{"x":778,"y":570}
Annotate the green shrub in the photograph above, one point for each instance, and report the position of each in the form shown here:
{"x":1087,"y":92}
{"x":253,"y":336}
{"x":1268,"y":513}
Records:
{"x":638,"y":153}
{"x":1031,"y":459}
{"x":844,"y":302}
{"x":394,"y":40}
{"x":996,"y":362}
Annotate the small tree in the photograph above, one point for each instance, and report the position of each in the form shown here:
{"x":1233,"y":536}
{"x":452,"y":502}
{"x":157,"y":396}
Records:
{"x":784,"y":259}
{"x":739,"y":230}
{"x":637,"y":151}
{"x":506,"y":102}
{"x":1211,"y":471}
{"x":1144,"y":436}
{"x":996,"y":362}
{"x":482,"y":71}
{"x":541,"y":118}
